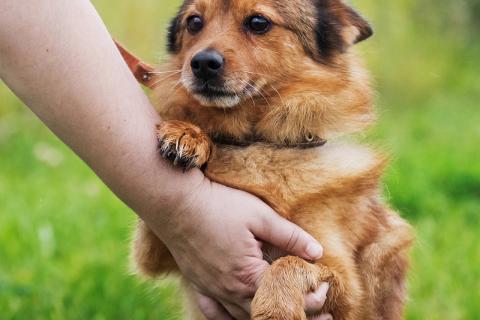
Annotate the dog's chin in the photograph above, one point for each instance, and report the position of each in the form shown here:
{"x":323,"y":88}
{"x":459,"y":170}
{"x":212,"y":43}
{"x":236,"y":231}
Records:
{"x":224,"y":101}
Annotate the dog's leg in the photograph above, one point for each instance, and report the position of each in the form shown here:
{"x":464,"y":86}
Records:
{"x":149,"y":254}
{"x":384,"y":264}
{"x":283,"y":287}
{"x":191,"y":309}
{"x":153,"y":259}
{"x":184,"y":144}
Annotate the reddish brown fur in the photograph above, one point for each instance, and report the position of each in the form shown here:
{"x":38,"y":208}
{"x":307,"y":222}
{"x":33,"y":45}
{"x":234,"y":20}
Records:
{"x":332,"y":192}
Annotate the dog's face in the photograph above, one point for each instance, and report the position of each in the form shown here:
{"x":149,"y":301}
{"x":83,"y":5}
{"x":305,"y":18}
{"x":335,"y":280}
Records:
{"x":233,"y":50}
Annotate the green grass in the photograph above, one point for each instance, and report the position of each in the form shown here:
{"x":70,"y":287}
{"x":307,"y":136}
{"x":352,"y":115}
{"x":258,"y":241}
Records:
{"x":64,"y":236}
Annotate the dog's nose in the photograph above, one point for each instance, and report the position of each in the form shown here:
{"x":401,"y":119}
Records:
{"x":207,"y":65}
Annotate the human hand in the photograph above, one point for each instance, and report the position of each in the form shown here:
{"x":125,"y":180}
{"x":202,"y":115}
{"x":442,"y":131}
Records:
{"x":213,"y":238}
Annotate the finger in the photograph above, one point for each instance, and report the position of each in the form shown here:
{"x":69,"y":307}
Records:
{"x":211,"y":309}
{"x":314,"y":301}
{"x":236,"y":312}
{"x":326,"y":316}
{"x":287,"y":236}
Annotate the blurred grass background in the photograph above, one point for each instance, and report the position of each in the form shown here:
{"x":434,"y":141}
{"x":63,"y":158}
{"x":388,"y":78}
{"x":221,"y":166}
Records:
{"x":64,"y":236}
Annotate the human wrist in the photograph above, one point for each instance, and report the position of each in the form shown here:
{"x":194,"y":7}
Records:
{"x":173,"y":211}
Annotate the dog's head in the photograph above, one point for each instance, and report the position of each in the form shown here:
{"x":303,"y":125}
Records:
{"x":276,"y":68}
{"x":229,"y":50}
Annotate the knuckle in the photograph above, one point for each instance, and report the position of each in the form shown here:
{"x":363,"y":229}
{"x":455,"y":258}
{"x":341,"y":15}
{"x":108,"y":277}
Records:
{"x":247,"y":281}
{"x":265,"y":227}
{"x":294,"y":240}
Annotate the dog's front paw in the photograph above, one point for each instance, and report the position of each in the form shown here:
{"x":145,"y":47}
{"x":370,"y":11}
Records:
{"x":184,"y":144}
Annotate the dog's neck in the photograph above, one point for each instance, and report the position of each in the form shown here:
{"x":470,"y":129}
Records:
{"x":284,"y":118}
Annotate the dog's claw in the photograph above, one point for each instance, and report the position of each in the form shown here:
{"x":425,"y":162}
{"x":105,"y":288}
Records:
{"x":171,"y":152}
{"x":182,"y":149}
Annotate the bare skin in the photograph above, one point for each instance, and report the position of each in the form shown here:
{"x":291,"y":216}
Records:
{"x":57,"y":56}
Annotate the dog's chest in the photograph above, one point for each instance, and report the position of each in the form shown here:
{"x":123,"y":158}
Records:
{"x":283,"y":176}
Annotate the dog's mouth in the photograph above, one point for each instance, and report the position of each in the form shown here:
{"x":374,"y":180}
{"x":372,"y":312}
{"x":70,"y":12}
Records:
{"x":227,"y":94}
{"x":212,"y":91}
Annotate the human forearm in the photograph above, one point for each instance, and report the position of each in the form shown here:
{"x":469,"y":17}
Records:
{"x":72,"y":77}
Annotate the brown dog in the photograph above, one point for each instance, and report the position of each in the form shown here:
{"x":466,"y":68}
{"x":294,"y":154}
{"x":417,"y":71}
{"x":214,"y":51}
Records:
{"x":254,"y":89}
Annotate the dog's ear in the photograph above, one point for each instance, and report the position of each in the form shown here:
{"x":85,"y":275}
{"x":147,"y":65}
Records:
{"x":338,"y":27}
{"x":360,"y":29}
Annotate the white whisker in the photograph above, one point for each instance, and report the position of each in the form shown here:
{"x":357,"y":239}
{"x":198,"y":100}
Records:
{"x":164,"y":78}
{"x":278,"y":93}
{"x":166,"y":71}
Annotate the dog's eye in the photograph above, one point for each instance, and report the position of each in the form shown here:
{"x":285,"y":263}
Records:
{"x":258,"y":24}
{"x":194,"y":24}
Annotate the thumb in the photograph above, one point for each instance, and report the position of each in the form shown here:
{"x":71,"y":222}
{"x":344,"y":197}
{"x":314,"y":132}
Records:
{"x":287,"y":236}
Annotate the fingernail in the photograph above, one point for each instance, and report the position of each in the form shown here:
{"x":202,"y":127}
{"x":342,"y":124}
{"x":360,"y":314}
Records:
{"x":323,"y":289}
{"x":326,"y":317}
{"x":314,"y":251}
